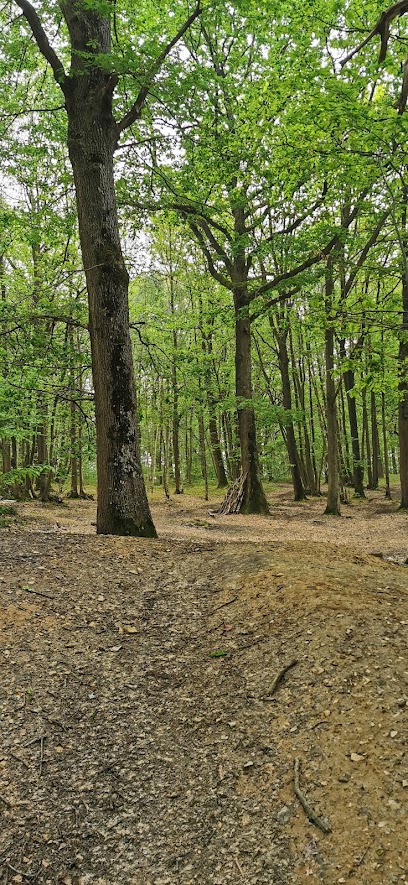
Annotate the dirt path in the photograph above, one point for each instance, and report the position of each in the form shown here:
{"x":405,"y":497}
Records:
{"x":140,"y":742}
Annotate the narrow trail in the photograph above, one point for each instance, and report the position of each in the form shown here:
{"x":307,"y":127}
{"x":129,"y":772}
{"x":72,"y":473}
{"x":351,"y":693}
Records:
{"x":150,"y":757}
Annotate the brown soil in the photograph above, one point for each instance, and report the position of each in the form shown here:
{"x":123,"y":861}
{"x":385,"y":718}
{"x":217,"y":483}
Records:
{"x":141,"y":739}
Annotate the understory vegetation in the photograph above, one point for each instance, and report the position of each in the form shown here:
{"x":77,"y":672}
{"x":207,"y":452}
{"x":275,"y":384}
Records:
{"x":262,"y":193}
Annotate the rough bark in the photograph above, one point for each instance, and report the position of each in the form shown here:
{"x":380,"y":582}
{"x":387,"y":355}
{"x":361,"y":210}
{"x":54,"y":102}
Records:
{"x":290,"y":439}
{"x":385,"y":447}
{"x":254,"y":500}
{"x":203,"y":460}
{"x":174,"y":382}
{"x":366,"y":439}
{"x":333,"y":492}
{"x":358,"y":470}
{"x":403,"y":393}
{"x":92,"y":136}
{"x":73,"y":493}
{"x":222,"y":480}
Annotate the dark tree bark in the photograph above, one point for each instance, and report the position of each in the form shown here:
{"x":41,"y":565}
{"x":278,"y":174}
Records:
{"x":333,"y":492}
{"x":358,"y":471}
{"x":174,"y":381}
{"x":229,"y":445}
{"x":375,"y":443}
{"x":403,"y":361}
{"x":281,"y":335}
{"x":254,"y":500}
{"x":201,"y":434}
{"x":385,"y":447}
{"x":93,"y":135}
{"x":403,"y":393}
{"x":222,"y":480}
{"x":366,"y":439}
{"x":73,"y":493}
{"x":304,"y":450}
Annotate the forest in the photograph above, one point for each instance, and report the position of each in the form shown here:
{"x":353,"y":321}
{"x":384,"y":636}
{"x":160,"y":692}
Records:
{"x":239,"y":177}
{"x":204,"y":442}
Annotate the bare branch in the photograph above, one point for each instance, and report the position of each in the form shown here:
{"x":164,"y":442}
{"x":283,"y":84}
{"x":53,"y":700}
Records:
{"x":214,"y":242}
{"x":311,"y":261}
{"x":364,"y":252}
{"x":382,"y":29}
{"x":137,"y":107}
{"x":216,"y":274}
{"x":42,"y":41}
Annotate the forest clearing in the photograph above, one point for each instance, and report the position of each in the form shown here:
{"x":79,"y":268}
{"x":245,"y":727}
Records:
{"x":143,"y":740}
{"x":204,"y":323}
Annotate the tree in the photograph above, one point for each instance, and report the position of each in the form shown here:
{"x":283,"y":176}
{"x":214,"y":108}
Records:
{"x":93,"y":136}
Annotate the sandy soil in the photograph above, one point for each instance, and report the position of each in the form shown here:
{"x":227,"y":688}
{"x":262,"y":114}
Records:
{"x":143,"y":737}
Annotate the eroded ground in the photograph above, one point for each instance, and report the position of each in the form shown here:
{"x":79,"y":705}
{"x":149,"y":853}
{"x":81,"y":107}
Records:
{"x":140,"y":740}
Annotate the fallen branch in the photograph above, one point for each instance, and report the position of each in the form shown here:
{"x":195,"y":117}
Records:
{"x":280,"y":675}
{"x":312,"y":816}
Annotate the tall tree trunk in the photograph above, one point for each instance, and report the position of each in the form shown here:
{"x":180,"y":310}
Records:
{"x":206,"y":346}
{"x":347,"y":459}
{"x":333,"y":493}
{"x":281,"y":335}
{"x":385,"y":447}
{"x":230,"y":448}
{"x":201,"y":433}
{"x":375,"y":442}
{"x":174,"y":383}
{"x":74,"y":460}
{"x":304,"y":451}
{"x":254,"y":496}
{"x":43,"y":483}
{"x":403,"y":360}
{"x":222,"y":480}
{"x":366,"y":438}
{"x":189,"y":447}
{"x":92,"y":137}
{"x":358,"y":470}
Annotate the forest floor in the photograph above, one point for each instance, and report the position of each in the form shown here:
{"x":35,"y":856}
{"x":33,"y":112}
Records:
{"x":143,"y":740}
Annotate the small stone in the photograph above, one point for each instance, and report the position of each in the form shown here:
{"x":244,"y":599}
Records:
{"x":283,"y":814}
{"x":393,"y":804}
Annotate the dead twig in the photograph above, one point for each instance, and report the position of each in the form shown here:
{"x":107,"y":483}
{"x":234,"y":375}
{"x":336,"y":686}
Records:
{"x":37,"y":593}
{"x":17,"y":758}
{"x":240,"y":870}
{"x":42,"y":738}
{"x":358,"y":862}
{"x":21,"y":872}
{"x":280,"y":675}
{"x":310,"y":813}
{"x":224,"y":604}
